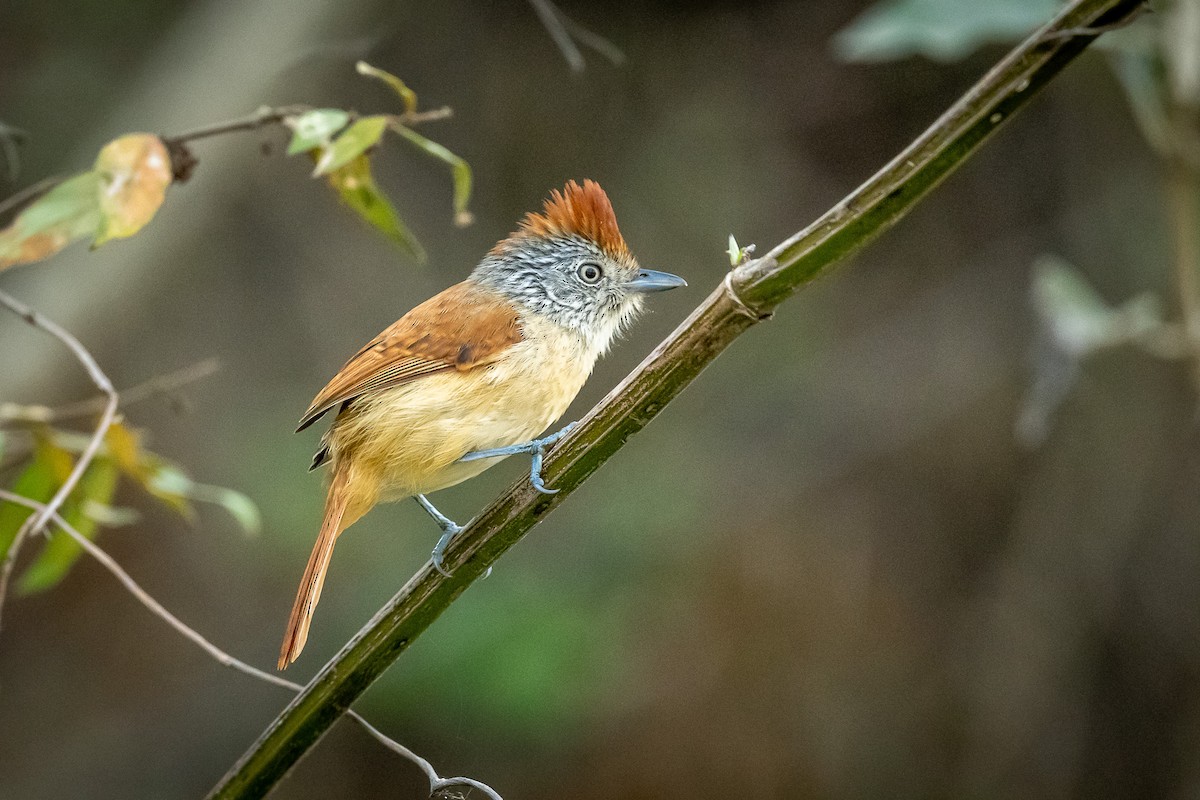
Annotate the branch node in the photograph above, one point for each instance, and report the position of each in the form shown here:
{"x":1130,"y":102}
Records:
{"x":183,"y":163}
{"x":757,"y":316}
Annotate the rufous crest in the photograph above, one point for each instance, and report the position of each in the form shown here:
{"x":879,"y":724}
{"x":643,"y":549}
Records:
{"x":583,"y":211}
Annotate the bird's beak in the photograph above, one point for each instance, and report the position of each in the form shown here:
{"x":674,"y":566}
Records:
{"x":650,"y":280}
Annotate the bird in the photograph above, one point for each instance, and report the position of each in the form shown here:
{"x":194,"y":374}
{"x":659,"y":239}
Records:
{"x":473,"y":374}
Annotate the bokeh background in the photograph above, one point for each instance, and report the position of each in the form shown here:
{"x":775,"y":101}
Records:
{"x":830,"y":569}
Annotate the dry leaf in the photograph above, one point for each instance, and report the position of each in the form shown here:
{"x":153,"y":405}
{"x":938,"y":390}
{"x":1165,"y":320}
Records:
{"x":135,"y":172}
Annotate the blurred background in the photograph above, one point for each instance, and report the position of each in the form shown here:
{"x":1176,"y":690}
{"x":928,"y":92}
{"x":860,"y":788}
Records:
{"x":836,"y":567}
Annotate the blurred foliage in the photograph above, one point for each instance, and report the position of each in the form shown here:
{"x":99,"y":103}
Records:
{"x":49,"y":458}
{"x":828,"y":572}
{"x":356,"y":187}
{"x":945,"y":30}
{"x":128,"y":183}
{"x":1075,"y":320}
{"x":1075,"y":323}
{"x":113,"y":200}
{"x":116,"y":199}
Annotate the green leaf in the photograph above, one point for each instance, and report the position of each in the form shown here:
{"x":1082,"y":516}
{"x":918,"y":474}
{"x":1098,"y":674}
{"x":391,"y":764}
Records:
{"x":352,"y":143}
{"x":169,"y":484}
{"x":357,"y":189}
{"x":97,"y":485}
{"x":69,"y":211}
{"x":315,"y":128}
{"x":173,"y":485}
{"x":407,"y":95}
{"x":112,"y":516}
{"x":459,"y":169}
{"x":945,"y":30}
{"x":1077,"y":316}
{"x":153,"y":473}
{"x":37,"y":482}
{"x":240,"y":507}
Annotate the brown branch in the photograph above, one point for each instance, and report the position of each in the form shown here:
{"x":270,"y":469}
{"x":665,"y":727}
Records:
{"x":564,"y":31}
{"x":267,"y":116}
{"x":156,"y":386}
{"x":156,"y":608}
{"x":38,"y":520}
{"x":183,"y":162}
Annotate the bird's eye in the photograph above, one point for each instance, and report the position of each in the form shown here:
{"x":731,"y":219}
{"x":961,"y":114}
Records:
{"x":590,"y":272}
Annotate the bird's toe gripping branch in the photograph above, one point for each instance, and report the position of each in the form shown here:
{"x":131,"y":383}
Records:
{"x":536,"y":449}
{"x":449,"y":527}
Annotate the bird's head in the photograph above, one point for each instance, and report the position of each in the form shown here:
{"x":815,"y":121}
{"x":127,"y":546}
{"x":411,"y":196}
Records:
{"x":571,"y":264}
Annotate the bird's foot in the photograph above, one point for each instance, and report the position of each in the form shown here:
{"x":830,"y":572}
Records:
{"x":536,"y":449}
{"x":449,"y":527}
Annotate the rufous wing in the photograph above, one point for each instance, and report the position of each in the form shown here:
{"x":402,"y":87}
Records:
{"x":463,"y":327}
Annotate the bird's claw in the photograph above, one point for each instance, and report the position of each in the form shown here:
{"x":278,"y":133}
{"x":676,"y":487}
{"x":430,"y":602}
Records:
{"x":535,"y":472}
{"x":450,"y":529}
{"x":535,"y":448}
{"x":437,"y":557}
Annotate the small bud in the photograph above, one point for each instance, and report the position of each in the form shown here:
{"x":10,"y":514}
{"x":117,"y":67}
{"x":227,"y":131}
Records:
{"x":738,"y":255}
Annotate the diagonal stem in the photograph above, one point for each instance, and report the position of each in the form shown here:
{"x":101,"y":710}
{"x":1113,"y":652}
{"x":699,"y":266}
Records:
{"x":752,"y":293}
{"x":156,"y":608}
{"x":37,"y":521}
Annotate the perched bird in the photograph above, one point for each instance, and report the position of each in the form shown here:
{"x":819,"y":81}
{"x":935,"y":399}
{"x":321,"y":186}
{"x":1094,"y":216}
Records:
{"x":474,"y":373}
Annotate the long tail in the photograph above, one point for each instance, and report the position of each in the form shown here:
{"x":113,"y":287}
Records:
{"x":337,"y":519}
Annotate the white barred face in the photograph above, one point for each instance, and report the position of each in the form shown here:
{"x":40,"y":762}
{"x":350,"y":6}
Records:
{"x":569,"y":281}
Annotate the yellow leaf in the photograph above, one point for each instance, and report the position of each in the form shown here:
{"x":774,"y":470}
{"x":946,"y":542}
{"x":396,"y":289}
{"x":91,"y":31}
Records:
{"x":135,"y":172}
{"x":125,"y":447}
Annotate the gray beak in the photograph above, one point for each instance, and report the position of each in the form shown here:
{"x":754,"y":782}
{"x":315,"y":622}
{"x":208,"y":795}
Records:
{"x":650,"y":280}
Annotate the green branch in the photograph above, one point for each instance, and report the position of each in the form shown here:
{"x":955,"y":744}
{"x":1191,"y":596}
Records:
{"x":750,"y":293}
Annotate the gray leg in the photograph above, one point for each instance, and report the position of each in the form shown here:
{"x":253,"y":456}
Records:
{"x":449,"y":527}
{"x":536,"y":449}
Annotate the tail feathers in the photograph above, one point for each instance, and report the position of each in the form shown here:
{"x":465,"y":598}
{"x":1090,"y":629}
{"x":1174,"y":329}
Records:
{"x":336,"y":520}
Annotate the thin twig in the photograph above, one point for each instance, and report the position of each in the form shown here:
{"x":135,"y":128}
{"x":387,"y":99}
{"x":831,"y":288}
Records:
{"x":593,"y":40}
{"x":13,"y":203}
{"x":564,"y":31}
{"x":221,"y":657}
{"x":267,"y":116}
{"x":760,"y":286}
{"x":259,"y":119}
{"x":550,"y":17}
{"x":37,"y":521}
{"x":156,"y":386}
